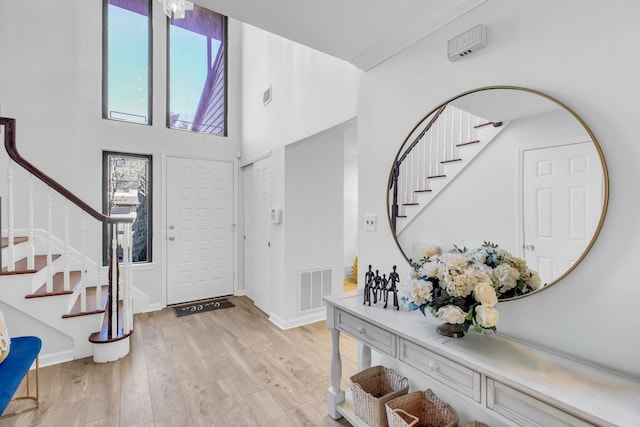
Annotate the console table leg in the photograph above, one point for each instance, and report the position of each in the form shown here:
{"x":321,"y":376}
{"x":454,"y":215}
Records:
{"x":335,"y":396}
{"x":364,"y":357}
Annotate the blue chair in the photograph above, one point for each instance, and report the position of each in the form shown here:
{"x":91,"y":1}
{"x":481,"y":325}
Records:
{"x":24,"y":351}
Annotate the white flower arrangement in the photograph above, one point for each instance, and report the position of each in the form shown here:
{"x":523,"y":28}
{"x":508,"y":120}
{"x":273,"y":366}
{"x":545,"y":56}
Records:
{"x":464,"y":285}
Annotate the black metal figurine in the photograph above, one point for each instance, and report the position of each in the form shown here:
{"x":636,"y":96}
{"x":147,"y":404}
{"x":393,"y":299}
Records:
{"x":394,"y":278}
{"x":368,"y":282}
{"x":376,"y":286}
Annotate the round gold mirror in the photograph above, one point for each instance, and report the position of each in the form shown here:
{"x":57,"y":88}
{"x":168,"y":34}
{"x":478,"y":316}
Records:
{"x":500,"y":164}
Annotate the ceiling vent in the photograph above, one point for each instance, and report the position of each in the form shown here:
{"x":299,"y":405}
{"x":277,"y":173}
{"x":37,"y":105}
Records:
{"x":467,"y":42}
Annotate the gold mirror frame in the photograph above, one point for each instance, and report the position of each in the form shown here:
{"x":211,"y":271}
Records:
{"x":605,"y":175}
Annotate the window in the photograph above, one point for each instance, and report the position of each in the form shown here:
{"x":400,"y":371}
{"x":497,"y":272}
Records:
{"x":197,"y":93}
{"x":126,"y":82}
{"x":127,"y":191}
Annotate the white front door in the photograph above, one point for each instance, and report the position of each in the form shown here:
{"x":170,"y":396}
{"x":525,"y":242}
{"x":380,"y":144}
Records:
{"x":562,"y":203}
{"x":199,"y":201}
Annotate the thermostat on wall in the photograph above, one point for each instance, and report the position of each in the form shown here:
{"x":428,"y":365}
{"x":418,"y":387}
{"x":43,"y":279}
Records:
{"x":276,"y":215}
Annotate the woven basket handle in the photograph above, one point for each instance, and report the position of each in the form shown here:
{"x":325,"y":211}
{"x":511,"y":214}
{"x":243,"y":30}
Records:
{"x":406,"y":415}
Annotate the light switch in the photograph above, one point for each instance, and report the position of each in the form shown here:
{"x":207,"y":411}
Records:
{"x":370,"y":222}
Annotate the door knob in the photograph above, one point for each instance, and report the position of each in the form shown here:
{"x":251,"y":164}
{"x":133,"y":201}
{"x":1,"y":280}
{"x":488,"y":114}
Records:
{"x":171,"y":227}
{"x":171,"y":238}
{"x":529,"y":247}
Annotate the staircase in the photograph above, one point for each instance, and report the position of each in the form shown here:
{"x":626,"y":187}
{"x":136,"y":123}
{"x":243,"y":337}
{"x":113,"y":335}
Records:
{"x":436,"y":154}
{"x":47,"y":281}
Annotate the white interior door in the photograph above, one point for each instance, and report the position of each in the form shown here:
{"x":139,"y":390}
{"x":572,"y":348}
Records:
{"x":249,"y":234}
{"x":261,"y":289}
{"x":199,"y":229}
{"x":562,"y":203}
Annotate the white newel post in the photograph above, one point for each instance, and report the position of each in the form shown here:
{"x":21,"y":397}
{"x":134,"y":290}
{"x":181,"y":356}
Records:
{"x":126,"y":277}
{"x":114,"y":281}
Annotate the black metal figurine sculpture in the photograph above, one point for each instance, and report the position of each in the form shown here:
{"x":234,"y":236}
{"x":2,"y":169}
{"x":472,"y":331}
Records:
{"x":394,"y":278}
{"x":368,"y":282}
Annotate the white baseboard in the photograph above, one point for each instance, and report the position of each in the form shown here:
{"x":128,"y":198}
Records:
{"x":298,"y":321}
{"x":239,"y":293}
{"x":56,"y":358}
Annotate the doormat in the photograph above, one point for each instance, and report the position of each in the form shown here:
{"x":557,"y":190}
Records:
{"x":202,"y":306}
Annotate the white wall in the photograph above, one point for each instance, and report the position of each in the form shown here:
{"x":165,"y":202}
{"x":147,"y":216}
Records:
{"x":50,"y":82}
{"x":314,"y":210}
{"x":311,"y":93}
{"x":579,"y":53}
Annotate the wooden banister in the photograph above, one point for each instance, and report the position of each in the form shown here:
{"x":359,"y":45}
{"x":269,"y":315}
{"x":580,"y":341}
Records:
{"x":10,"y":145}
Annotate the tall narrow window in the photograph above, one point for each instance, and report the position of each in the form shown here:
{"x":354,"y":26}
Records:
{"x":126,"y":56}
{"x":127,"y":192}
{"x":197,"y":88}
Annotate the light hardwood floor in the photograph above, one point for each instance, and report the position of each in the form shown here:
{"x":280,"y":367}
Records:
{"x":229,"y":367}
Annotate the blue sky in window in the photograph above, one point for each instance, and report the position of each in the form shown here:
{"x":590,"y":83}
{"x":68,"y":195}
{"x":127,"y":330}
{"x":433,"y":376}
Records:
{"x":188,"y":70}
{"x":128,"y":63}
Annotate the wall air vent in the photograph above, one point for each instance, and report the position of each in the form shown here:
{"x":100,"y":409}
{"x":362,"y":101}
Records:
{"x":467,"y":42}
{"x":314,"y":285}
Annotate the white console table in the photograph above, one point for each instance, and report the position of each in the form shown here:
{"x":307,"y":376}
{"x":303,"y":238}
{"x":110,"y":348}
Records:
{"x":517,"y":383}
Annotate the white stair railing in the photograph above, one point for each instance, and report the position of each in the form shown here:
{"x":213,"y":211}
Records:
{"x":120,"y":285}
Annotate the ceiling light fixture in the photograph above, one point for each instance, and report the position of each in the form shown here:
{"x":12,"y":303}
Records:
{"x":176,"y":7}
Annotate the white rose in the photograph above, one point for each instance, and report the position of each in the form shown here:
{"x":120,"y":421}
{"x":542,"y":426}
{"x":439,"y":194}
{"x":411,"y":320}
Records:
{"x":532,"y":280}
{"x":485,"y":294}
{"x":487,"y":317}
{"x":419,"y":291}
{"x":451,"y":314}
{"x":454,"y":260}
{"x":505,"y":277}
{"x":429,"y":269}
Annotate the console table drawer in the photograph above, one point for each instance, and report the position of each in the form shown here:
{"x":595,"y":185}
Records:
{"x":458,"y":377}
{"x":525,"y":410}
{"x":367,"y":333}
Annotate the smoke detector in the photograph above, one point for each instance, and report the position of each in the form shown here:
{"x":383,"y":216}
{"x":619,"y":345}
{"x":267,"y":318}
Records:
{"x":467,"y":42}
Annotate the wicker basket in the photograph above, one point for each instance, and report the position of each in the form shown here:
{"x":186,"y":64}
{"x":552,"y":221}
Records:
{"x":476,"y":424}
{"x":420,"y":409}
{"x":372,"y":388}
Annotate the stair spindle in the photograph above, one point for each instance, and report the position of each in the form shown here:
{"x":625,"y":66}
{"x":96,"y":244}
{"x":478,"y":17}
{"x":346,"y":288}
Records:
{"x":49,"y":282}
{"x":11,"y":257}
{"x":67,"y":254}
{"x":98,"y":279}
{"x":30,"y":234}
{"x":83,"y":266}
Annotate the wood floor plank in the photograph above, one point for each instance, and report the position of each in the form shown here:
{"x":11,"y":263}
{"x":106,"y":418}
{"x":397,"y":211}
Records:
{"x":224,"y":368}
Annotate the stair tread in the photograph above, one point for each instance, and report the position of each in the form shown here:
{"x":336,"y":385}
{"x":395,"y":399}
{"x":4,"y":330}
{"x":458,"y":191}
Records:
{"x":58,"y":285}
{"x":16,"y":241}
{"x":91,"y":303}
{"x":451,"y":161}
{"x":102,"y":336}
{"x":476,"y":141}
{"x":40,"y":262}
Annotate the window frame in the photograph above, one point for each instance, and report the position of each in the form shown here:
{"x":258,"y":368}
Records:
{"x":105,"y":204}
